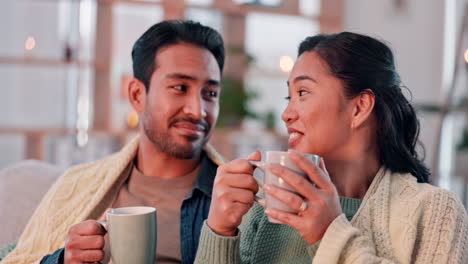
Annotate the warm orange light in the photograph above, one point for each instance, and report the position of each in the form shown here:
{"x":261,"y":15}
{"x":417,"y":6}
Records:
{"x":132,"y":119}
{"x":286,"y":64}
{"x":466,"y":55}
{"x":30,"y":43}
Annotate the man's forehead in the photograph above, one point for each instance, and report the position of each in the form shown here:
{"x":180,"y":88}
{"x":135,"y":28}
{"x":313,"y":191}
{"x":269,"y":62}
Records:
{"x":185,"y":54}
{"x":185,"y":59}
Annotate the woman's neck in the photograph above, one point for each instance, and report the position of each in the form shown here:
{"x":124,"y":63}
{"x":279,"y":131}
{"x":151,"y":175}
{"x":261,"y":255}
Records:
{"x":352,"y":178}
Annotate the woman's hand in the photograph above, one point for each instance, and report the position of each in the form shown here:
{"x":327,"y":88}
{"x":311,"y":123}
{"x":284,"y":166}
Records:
{"x":321,"y":200}
{"x":233,"y":195}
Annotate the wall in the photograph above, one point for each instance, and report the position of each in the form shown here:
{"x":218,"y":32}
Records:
{"x":415,"y":33}
{"x":422,"y":34}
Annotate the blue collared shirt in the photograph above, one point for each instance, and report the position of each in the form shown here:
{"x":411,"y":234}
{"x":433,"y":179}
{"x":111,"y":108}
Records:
{"x":194,"y":211}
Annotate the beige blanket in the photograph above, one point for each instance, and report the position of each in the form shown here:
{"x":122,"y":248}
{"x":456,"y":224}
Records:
{"x":82,"y":192}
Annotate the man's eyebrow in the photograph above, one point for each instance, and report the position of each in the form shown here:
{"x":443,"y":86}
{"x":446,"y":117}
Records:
{"x":177,"y":75}
{"x":302,"y":78}
{"x":213,"y":82}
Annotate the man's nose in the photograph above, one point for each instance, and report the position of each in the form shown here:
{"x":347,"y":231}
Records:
{"x":194,"y":107}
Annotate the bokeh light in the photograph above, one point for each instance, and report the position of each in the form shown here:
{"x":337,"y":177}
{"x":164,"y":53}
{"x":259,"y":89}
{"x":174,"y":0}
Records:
{"x":30,"y":43}
{"x":286,"y":64}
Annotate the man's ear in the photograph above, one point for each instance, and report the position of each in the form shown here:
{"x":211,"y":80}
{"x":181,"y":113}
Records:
{"x":137,"y":95}
{"x":364,"y":105}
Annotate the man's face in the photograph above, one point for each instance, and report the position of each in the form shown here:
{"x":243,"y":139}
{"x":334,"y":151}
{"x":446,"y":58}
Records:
{"x":182,"y":103}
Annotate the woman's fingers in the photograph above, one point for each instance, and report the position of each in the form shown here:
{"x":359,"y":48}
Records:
{"x":260,"y":201}
{"x":300,"y":184}
{"x":255,"y":156}
{"x":289,"y":198}
{"x":316,"y":174}
{"x":323,"y":167}
{"x":289,"y":219}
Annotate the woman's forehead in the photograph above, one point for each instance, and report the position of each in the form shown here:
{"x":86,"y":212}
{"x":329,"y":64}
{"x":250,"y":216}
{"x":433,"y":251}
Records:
{"x":309,"y":64}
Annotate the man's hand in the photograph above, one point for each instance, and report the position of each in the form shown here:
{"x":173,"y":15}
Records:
{"x":85,"y":243}
{"x":233,"y":195}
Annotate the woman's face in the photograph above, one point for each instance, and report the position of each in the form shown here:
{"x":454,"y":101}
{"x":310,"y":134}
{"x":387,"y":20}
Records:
{"x":318,"y":116}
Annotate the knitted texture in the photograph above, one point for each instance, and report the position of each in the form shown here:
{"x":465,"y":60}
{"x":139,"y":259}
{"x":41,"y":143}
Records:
{"x":82,"y":192}
{"x":399,"y":221}
{"x":4,"y":250}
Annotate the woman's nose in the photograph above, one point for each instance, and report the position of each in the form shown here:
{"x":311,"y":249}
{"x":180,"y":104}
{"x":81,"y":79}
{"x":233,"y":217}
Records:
{"x":289,"y":114}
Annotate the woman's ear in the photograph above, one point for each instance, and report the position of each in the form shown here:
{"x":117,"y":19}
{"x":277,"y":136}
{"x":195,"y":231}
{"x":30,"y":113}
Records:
{"x":137,"y":95}
{"x":364,"y":105}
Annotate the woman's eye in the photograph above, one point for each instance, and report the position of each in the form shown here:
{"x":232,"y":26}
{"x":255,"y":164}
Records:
{"x":288,"y":98}
{"x":302,"y":92}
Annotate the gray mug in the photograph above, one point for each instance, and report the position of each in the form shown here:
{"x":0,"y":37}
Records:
{"x":132,"y":234}
{"x":280,"y":158}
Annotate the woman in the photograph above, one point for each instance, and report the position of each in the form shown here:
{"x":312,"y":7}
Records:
{"x":371,"y":202}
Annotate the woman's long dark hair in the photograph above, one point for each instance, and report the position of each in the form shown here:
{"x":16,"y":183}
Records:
{"x":363,"y":63}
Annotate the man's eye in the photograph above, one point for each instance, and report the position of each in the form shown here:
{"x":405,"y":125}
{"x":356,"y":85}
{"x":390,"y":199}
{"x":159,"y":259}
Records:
{"x":180,"y":87}
{"x":213,"y":94}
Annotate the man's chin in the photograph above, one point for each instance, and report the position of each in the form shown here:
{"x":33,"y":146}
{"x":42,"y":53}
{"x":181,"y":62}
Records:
{"x":187,"y":150}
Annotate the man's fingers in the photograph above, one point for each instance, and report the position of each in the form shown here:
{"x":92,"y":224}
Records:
{"x":88,"y":228}
{"x":87,"y":242}
{"x":80,"y":256}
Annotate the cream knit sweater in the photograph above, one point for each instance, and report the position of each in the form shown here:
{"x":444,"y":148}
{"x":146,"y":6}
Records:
{"x":399,"y":221}
{"x":82,"y":192}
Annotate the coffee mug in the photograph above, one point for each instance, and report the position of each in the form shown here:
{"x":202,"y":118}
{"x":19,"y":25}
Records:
{"x":280,"y":158}
{"x":132,"y":234}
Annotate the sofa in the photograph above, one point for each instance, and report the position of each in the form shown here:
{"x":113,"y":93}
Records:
{"x":22,"y":186}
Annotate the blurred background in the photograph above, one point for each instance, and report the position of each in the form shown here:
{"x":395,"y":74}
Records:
{"x":64,"y":65}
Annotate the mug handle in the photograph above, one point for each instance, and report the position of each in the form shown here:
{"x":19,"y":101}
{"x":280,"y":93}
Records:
{"x":103,"y":223}
{"x":260,"y":165}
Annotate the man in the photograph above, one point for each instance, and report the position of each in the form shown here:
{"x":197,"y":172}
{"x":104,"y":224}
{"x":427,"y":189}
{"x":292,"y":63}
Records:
{"x":177,"y":69}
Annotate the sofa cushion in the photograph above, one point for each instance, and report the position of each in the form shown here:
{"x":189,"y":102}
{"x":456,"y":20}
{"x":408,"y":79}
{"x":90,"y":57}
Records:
{"x":22,"y":186}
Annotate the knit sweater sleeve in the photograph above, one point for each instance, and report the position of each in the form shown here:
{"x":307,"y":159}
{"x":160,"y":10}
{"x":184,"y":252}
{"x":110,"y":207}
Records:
{"x":213,"y":248}
{"x":442,"y":238}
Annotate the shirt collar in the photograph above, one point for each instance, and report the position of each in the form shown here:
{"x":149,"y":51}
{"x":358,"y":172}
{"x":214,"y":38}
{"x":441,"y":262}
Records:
{"x":205,"y":177}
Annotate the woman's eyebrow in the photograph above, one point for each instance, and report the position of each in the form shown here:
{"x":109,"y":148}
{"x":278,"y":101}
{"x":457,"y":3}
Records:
{"x":302,"y":78}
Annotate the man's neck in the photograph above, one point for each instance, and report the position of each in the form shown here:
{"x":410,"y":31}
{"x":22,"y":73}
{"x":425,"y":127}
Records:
{"x":155,"y":163}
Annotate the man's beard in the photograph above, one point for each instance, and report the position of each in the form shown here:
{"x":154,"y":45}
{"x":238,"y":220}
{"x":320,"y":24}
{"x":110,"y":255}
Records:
{"x":163,"y":141}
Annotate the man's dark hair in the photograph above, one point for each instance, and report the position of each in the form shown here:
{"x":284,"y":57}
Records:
{"x":364,"y":63}
{"x":172,"y":32}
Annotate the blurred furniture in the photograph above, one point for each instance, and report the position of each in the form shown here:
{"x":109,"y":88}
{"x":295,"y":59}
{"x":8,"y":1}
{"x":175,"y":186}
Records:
{"x":22,"y":186}
{"x":89,"y":50}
